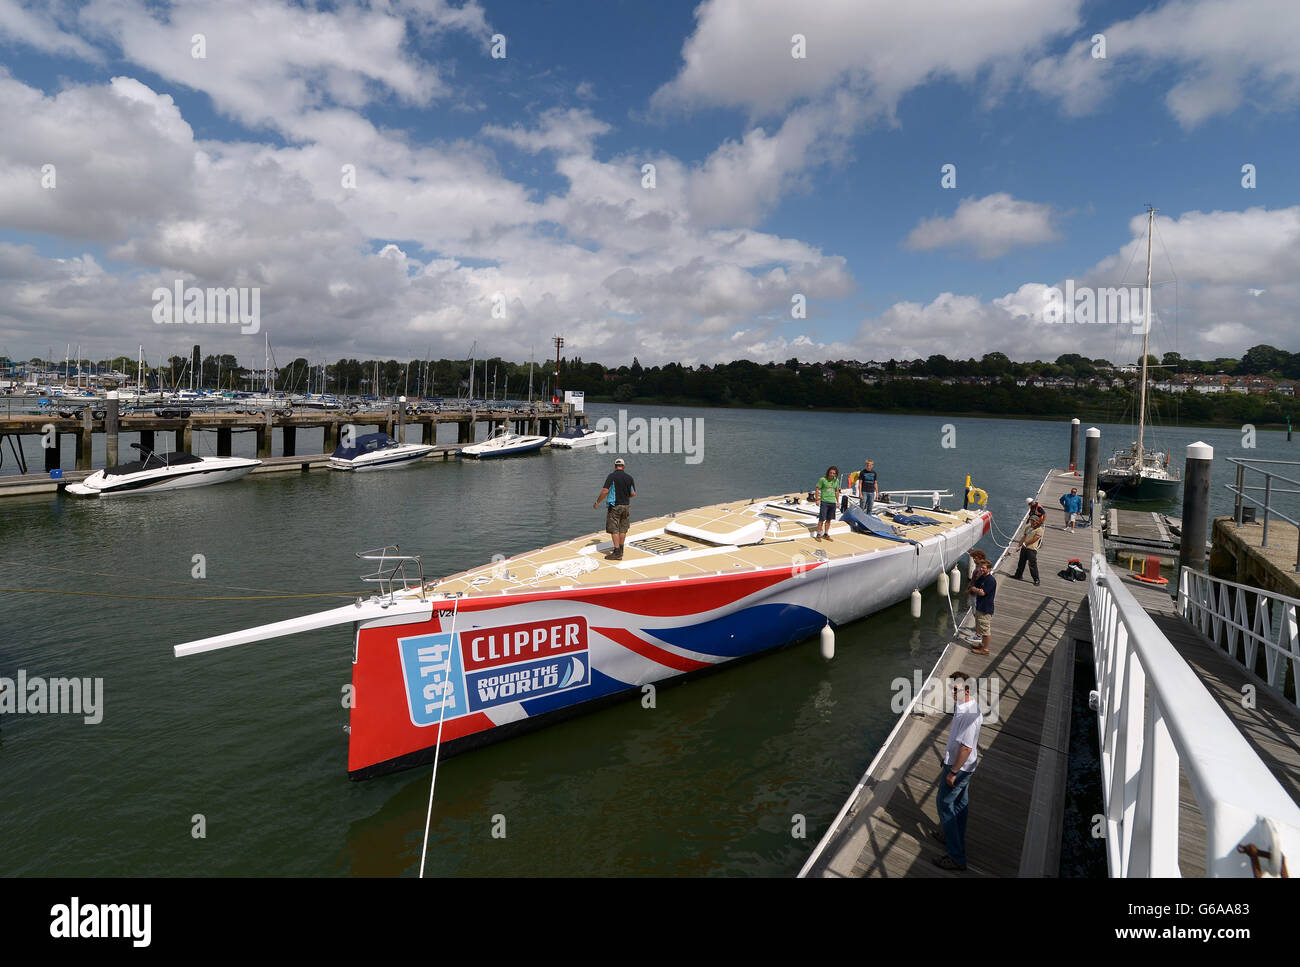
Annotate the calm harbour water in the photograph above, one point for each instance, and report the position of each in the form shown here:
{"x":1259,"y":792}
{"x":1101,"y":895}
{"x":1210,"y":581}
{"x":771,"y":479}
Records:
{"x":710,"y":782}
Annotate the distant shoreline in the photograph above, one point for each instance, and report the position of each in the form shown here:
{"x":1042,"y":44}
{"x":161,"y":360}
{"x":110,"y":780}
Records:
{"x":1084,"y":416}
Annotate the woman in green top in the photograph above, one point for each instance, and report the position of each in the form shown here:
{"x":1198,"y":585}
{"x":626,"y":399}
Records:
{"x":828,"y":487}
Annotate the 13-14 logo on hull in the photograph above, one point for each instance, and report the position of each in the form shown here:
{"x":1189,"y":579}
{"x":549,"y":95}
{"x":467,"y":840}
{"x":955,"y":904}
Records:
{"x":448,"y":675}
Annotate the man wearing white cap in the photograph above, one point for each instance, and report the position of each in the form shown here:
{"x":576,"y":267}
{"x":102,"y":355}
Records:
{"x":619,"y":490}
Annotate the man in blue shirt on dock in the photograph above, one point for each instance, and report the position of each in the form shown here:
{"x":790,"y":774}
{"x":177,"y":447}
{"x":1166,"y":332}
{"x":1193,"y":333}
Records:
{"x":1072,"y":504}
{"x":959,"y":760}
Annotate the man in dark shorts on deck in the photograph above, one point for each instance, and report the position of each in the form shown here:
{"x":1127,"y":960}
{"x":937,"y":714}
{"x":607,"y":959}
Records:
{"x":619,"y":490}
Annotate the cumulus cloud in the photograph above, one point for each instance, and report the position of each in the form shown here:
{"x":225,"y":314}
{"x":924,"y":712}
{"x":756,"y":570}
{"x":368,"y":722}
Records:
{"x":570,"y":131}
{"x":603,"y":259}
{"x":861,"y":58}
{"x":1223,"y":52}
{"x":36,"y":25}
{"x":1223,"y":281}
{"x":269,"y":62}
{"x":374,"y":240}
{"x":740,"y":52}
{"x":990,"y":226}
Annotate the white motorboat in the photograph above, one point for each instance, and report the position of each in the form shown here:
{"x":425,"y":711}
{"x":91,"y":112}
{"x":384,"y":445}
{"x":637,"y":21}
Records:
{"x":503,"y":443}
{"x":378,"y":451}
{"x":579,"y":437}
{"x":157,"y":472}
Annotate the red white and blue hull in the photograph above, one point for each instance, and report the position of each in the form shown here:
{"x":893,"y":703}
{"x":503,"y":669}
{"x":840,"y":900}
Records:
{"x":511,"y":662}
{"x":484,"y":658}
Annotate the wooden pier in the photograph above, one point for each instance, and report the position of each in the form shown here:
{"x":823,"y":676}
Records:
{"x":16,"y":485}
{"x":1017,"y":795}
{"x":392,"y":420}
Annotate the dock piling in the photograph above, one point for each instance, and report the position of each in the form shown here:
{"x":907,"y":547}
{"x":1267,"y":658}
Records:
{"x":1196,"y":507}
{"x":1091,"y":446}
{"x":1074,"y":444}
{"x":52,"y":453}
{"x":264,"y":437}
{"x":85,"y":434}
{"x":111,"y":420}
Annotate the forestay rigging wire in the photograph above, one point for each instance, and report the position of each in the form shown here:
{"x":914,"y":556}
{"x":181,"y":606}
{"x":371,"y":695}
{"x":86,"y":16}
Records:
{"x":437,"y":749}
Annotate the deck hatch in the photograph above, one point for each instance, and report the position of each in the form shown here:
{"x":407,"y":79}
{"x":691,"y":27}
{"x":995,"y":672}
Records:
{"x":658,"y":545}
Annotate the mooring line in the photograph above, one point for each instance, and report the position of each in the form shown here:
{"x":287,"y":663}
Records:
{"x":165,"y":597}
{"x":124,"y":577}
{"x":437,"y":751}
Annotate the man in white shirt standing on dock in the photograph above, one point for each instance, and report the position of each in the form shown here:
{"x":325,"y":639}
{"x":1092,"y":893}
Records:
{"x":959,"y":760}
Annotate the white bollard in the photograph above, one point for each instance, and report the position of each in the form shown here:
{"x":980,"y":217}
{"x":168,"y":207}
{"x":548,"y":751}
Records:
{"x":828,"y":641}
{"x":916,"y":602}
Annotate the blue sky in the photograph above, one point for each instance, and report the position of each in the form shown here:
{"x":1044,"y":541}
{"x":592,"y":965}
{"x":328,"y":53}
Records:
{"x":501,"y":199}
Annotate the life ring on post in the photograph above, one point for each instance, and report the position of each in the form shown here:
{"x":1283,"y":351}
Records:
{"x":976,"y":496}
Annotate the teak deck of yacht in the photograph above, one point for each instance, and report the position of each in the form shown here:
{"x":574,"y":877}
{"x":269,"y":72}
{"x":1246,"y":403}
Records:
{"x":694,"y":543}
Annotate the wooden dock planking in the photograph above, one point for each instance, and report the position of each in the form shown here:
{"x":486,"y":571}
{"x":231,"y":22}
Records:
{"x":1017,"y":793}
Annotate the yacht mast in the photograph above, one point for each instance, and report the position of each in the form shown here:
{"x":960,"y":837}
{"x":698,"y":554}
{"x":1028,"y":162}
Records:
{"x":1138,"y":455}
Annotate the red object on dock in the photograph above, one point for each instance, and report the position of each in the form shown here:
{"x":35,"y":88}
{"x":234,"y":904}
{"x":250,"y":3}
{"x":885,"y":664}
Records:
{"x":1151,"y":574}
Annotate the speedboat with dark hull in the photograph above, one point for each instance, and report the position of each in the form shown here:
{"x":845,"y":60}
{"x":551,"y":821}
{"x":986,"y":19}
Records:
{"x":505,"y":444}
{"x":157,"y":472}
{"x":580,"y":437}
{"x":378,"y":451}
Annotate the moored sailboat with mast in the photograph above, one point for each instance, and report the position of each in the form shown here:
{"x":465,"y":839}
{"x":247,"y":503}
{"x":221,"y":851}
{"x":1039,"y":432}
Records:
{"x":1138,"y":473}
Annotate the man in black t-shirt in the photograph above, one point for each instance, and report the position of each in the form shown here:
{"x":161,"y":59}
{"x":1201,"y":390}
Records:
{"x":619,"y":490}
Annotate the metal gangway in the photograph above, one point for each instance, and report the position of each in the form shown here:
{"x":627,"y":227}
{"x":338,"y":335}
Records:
{"x":1156,"y":717}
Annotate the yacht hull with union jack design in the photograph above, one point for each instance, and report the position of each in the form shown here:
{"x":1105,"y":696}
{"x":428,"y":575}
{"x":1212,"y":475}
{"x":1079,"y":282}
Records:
{"x":481,"y":655}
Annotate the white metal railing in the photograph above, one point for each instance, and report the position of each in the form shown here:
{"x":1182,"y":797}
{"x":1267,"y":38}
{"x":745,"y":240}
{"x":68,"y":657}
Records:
{"x":1242,"y":493}
{"x":1221,"y":611}
{"x":1155,"y":717}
